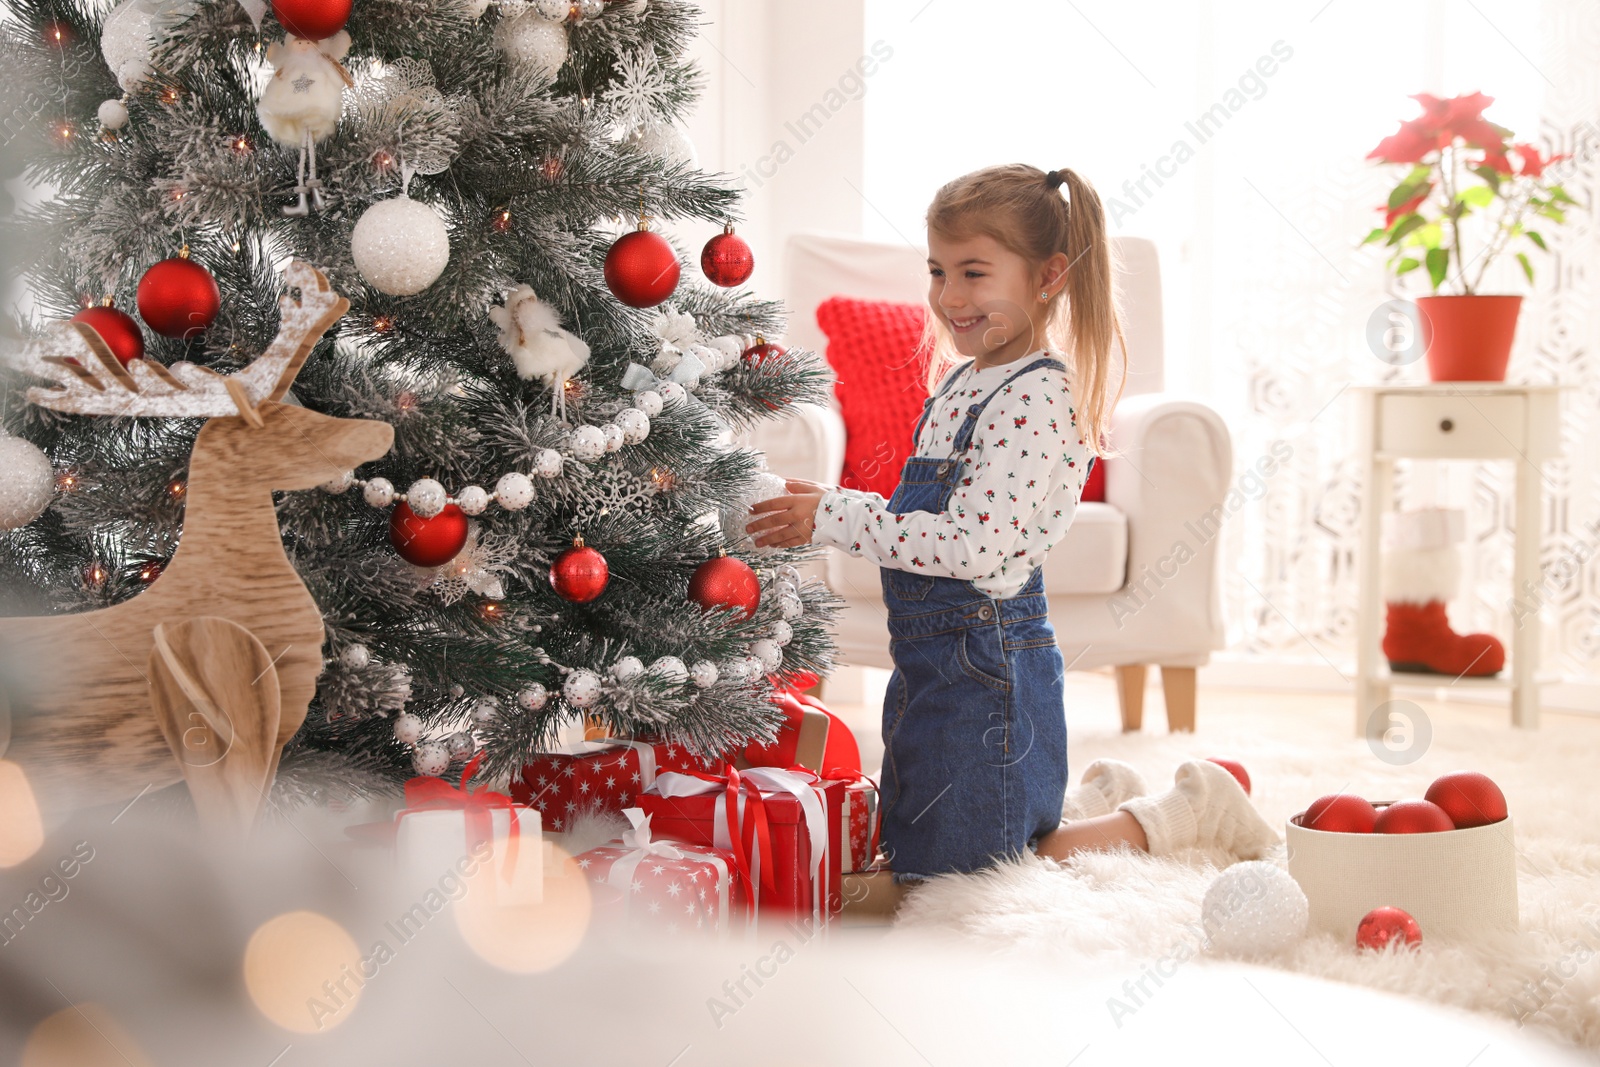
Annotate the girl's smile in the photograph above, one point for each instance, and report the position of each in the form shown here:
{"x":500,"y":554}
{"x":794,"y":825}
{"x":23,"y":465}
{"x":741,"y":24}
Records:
{"x":987,"y":297}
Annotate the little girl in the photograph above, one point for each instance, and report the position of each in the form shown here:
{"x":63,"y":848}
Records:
{"x":974,"y":728}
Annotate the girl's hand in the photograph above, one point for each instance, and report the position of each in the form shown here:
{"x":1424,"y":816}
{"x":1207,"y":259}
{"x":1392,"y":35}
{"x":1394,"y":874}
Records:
{"x":787,"y":521}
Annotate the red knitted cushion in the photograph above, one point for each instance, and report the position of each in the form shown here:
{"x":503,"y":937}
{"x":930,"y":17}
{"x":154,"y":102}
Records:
{"x":1094,"y":487}
{"x":872,"y":347}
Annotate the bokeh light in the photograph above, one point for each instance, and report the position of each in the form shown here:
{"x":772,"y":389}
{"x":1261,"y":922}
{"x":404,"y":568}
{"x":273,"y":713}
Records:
{"x":303,"y":971}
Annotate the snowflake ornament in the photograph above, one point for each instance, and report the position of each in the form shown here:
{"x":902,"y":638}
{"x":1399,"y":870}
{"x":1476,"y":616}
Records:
{"x":640,"y":91}
{"x":477,"y":568}
{"x":400,"y":96}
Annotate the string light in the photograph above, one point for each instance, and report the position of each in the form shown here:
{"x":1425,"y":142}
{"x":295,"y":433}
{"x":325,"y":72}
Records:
{"x":169,"y":95}
{"x":491,"y":611}
{"x":94,"y":575}
{"x":550,"y":167}
{"x":383,"y":160}
{"x":176,"y":488}
{"x":150,"y":571}
{"x":663,"y":478}
{"x":502,"y":220}
{"x":64,"y":130}
{"x":406,"y":401}
{"x":574,"y":389}
{"x":382,"y":323}
{"x":67,"y":481}
{"x":57,"y":33}
{"x":241,"y":144}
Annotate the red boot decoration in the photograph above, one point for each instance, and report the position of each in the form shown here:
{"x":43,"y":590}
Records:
{"x":1421,"y":572}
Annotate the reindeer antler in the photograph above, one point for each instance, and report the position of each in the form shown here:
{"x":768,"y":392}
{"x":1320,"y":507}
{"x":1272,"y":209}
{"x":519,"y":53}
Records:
{"x":97,"y":384}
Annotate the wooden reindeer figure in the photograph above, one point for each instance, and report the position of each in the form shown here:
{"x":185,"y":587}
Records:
{"x":217,"y":661}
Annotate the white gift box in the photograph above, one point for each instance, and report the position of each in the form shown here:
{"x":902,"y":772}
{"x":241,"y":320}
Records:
{"x":1455,"y":883}
{"x":432,"y":844}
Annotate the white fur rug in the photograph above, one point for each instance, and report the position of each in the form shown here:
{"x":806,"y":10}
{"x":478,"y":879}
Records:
{"x":1138,"y":908}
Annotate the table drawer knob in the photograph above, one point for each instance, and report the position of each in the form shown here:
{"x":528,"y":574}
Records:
{"x":1446,"y":425}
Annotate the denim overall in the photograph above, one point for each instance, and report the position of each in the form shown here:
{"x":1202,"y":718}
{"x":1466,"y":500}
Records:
{"x":974,"y":723}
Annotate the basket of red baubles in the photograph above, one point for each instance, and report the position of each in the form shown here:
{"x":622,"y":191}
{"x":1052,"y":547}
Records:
{"x":1447,"y":859}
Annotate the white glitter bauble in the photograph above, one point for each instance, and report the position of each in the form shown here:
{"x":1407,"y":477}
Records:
{"x":379,"y":492}
{"x":430,"y":759}
{"x":407,"y":728}
{"x":672,"y":393}
{"x":670,"y":669}
{"x":335,"y":486}
{"x":485,"y":711}
{"x":648,"y":401}
{"x":547,"y":463}
{"x":113,"y":114}
{"x":514,"y":491}
{"x":731,"y":348}
{"x":400,"y":246}
{"x":588,"y":443}
{"x":552,"y":10}
{"x":753,"y":668}
{"x":703,"y":674}
{"x":635,"y":424}
{"x":460,"y":745}
{"x":426,"y":498}
{"x":533,"y":696}
{"x":782,"y":633}
{"x":473,"y":500}
{"x":784,"y":587}
{"x":1254,"y":908}
{"x":582,"y":688}
{"x":767,"y":651}
{"x":627,"y":668}
{"x":790,"y":606}
{"x":615,"y":437}
{"x":534,"y":42}
{"x":791,"y":574}
{"x":27,"y":485}
{"x":736,"y":670}
{"x":355,"y":656}
{"x":126,"y":39}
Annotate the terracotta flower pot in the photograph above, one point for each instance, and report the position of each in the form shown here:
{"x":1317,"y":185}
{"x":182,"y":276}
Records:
{"x":1468,"y":338}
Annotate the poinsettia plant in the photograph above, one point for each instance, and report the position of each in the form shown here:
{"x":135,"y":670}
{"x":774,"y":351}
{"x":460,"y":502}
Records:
{"x":1447,"y":143}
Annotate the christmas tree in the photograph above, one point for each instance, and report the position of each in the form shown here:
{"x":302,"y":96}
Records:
{"x":557,"y":532}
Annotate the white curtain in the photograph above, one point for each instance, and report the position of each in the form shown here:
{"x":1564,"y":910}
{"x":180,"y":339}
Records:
{"x":1259,"y":214}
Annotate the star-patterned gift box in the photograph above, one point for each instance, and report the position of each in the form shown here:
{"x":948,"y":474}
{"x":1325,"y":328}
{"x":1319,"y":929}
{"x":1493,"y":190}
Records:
{"x":603,"y":776}
{"x":859,"y":828}
{"x":674,"y":885}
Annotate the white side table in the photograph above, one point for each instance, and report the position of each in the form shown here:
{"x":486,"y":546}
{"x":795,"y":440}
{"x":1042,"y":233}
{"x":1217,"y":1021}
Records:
{"x":1451,"y":420}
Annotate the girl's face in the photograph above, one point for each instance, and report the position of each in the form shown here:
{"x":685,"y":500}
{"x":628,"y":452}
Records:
{"x":987,"y":296}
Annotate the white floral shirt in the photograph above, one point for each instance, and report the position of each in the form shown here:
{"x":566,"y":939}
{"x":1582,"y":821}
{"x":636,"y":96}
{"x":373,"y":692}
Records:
{"x":1013,"y":499}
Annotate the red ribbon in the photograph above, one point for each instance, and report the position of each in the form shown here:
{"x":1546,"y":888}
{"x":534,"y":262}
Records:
{"x":842,"y":774}
{"x":436,"y":794}
{"x":750,"y":838}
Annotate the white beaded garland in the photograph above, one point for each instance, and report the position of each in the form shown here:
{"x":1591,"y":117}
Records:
{"x":614,"y":436}
{"x":474,"y":500}
{"x":736,"y":670}
{"x":730,"y":347}
{"x":355,"y":657}
{"x":485,"y":711}
{"x":588,"y":443}
{"x":582,"y":688}
{"x":400,"y":246}
{"x":407,"y":728}
{"x":672,"y":393}
{"x":336,"y":486}
{"x":29,"y":483}
{"x":790,"y":606}
{"x":590,"y":9}
{"x":648,"y":401}
{"x":536,"y":43}
{"x":552,"y":10}
{"x":754,"y":668}
{"x":547,"y":463}
{"x":670,"y":669}
{"x":533,"y":696}
{"x":514,"y":491}
{"x":426,"y":498}
{"x":635,"y":424}
{"x":1254,"y":908}
{"x":379,"y":492}
{"x":627,"y":668}
{"x":113,"y":114}
{"x":704,"y":674}
{"x":460,"y":745}
{"x":430,"y":759}
{"x":782,"y":633}
{"x":768,"y":653}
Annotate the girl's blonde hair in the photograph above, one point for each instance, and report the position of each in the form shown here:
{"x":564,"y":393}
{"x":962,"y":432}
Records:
{"x":1021,"y":208}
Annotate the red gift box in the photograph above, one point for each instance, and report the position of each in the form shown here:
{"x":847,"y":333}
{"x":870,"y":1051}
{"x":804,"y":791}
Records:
{"x":604,"y":775}
{"x":859,"y":825}
{"x":676,"y":884}
{"x":783,"y":827}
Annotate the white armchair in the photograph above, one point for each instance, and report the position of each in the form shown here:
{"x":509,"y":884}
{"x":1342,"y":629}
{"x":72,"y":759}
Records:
{"x":1134,"y":581}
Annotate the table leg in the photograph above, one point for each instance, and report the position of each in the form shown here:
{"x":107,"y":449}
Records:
{"x":1371,"y":691}
{"x":1526,"y":627}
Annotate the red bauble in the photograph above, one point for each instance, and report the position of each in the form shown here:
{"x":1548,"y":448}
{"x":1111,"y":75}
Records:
{"x":1412,"y":817}
{"x":315,"y":20}
{"x":178,"y":298}
{"x":642,"y":269}
{"x":580,"y":573}
{"x":727,"y":260}
{"x":428,"y":542}
{"x":761,"y":351}
{"x":117,"y":329}
{"x":1340,"y":813}
{"x":1235,"y":768}
{"x":1380,"y":926}
{"x":725,"y":582}
{"x":1469,"y":798}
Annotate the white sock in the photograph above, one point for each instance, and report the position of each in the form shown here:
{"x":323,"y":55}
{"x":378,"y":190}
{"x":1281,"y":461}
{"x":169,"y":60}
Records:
{"x":1105,"y":784}
{"x":1205,"y":808}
